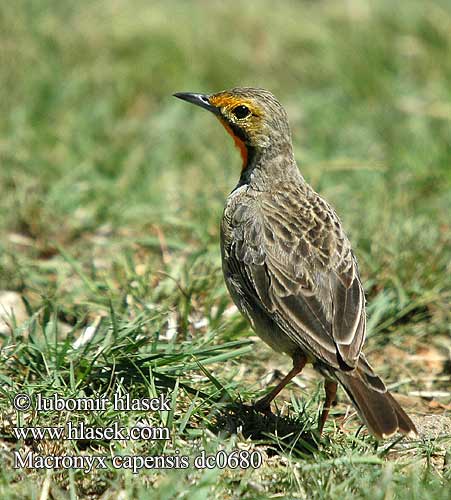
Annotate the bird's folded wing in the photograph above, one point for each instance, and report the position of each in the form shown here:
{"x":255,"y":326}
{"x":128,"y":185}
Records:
{"x":300,"y":267}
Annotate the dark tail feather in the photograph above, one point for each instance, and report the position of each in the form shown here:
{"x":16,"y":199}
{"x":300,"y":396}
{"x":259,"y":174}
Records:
{"x":379,"y":410}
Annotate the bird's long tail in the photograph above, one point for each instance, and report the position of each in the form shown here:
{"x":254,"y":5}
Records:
{"x":381,"y":413}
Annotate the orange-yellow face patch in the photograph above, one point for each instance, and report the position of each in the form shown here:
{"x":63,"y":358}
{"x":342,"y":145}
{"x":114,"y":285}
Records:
{"x":229,"y":102}
{"x":225,"y":100}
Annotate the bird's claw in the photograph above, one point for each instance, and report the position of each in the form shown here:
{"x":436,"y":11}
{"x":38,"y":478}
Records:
{"x":263,"y":407}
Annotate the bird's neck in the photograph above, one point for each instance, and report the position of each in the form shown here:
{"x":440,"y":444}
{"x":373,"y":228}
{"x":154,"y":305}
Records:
{"x":264,"y":166}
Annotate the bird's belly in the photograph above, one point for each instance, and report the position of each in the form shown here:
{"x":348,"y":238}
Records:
{"x":272,"y":335}
{"x":261,"y":322}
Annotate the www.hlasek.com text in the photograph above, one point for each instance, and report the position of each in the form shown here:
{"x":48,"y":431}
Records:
{"x":81,"y":431}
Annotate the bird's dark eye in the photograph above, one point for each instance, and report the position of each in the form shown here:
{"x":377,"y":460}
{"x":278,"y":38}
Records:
{"x":241,"y":111}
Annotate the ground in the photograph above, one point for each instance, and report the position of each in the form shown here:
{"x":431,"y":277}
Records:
{"x":111,"y":193}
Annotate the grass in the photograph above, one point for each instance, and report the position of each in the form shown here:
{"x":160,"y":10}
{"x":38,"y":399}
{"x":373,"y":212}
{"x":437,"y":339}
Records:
{"x":111,"y":193}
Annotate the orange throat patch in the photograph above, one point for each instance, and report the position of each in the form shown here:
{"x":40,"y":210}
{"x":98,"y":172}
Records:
{"x":238,"y":143}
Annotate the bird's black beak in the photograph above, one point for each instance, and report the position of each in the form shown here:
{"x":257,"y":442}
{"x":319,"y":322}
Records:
{"x":201,"y":100}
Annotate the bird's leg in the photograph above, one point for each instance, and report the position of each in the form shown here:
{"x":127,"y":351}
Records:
{"x":299,"y":361}
{"x":331,"y":393}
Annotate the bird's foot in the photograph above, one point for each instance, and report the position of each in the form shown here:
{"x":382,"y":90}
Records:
{"x":263,"y":406}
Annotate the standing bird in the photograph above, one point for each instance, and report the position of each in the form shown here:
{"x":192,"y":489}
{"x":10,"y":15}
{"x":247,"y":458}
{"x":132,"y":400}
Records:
{"x":289,"y":266}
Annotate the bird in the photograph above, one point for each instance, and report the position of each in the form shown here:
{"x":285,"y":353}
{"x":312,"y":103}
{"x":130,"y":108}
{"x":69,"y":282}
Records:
{"x":289,"y":266}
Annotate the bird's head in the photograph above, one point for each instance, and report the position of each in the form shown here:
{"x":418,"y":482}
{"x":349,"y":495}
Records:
{"x":253,"y":117}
